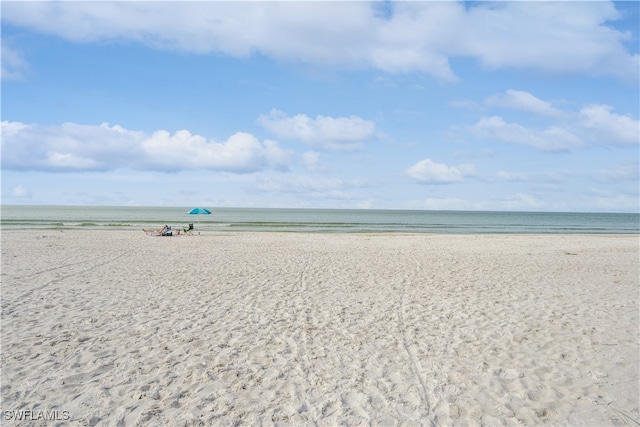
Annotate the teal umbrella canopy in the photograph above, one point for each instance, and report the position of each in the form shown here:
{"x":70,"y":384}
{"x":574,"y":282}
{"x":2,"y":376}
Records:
{"x":199,"y":211}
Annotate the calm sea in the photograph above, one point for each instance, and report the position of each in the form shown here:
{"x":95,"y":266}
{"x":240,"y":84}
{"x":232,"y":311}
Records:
{"x":314,"y":220}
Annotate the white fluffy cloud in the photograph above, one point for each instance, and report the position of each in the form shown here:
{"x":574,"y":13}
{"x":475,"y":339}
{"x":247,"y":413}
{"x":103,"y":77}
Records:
{"x":550,"y":177}
{"x":622,"y":172}
{"x":13,"y":63}
{"x":558,"y":37}
{"x":525,"y":101}
{"x":20,"y":192}
{"x":311,"y":161}
{"x":615,"y":200}
{"x":429,"y":172}
{"x":590,"y":126}
{"x":242,"y":152}
{"x":521,"y":201}
{"x":75,"y":147}
{"x":608,"y":128}
{"x":313,"y":187}
{"x":563,"y":37}
{"x":553,"y":138}
{"x":331,"y":133}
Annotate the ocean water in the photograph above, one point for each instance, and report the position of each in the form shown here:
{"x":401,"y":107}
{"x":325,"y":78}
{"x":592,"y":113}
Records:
{"x":14,"y":217}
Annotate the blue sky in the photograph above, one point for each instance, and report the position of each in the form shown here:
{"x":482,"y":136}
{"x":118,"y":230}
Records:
{"x":396,"y":105}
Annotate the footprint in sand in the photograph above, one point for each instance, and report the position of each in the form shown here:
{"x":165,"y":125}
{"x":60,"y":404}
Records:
{"x":509,"y":374}
{"x":87,"y":376}
{"x":596,"y":375}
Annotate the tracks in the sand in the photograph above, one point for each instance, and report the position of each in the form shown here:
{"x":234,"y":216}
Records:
{"x":416,"y":367}
{"x":70,"y":270}
{"x":300,"y":314}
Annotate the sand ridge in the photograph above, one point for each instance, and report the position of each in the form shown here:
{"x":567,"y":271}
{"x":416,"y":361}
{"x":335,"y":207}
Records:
{"x":118,"y":328}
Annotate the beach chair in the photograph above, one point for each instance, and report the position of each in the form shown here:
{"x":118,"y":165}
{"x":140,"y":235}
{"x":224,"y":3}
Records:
{"x":188,"y":230}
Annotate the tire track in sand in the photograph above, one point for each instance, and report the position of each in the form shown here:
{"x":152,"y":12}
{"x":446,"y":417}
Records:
{"x":300,"y":312}
{"x":90,"y":264}
{"x":415,"y":366}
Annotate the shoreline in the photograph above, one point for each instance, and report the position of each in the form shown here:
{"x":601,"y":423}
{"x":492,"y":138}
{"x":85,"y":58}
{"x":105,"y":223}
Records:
{"x":334,"y":328}
{"x":223,"y":232}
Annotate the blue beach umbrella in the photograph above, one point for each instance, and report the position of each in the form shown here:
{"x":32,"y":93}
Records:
{"x":199,"y":211}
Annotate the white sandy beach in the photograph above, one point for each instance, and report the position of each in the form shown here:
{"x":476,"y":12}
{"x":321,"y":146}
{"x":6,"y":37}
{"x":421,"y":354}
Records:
{"x":121,"y":329}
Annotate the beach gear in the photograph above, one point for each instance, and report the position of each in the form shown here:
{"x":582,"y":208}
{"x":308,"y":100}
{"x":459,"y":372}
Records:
{"x":199,"y":211}
{"x":188,"y":230}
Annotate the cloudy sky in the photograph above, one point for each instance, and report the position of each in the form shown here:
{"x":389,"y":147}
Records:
{"x":393,"y":105}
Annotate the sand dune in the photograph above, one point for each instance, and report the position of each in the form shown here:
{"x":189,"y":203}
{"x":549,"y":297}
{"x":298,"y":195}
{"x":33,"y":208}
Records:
{"x":117,"y":328}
